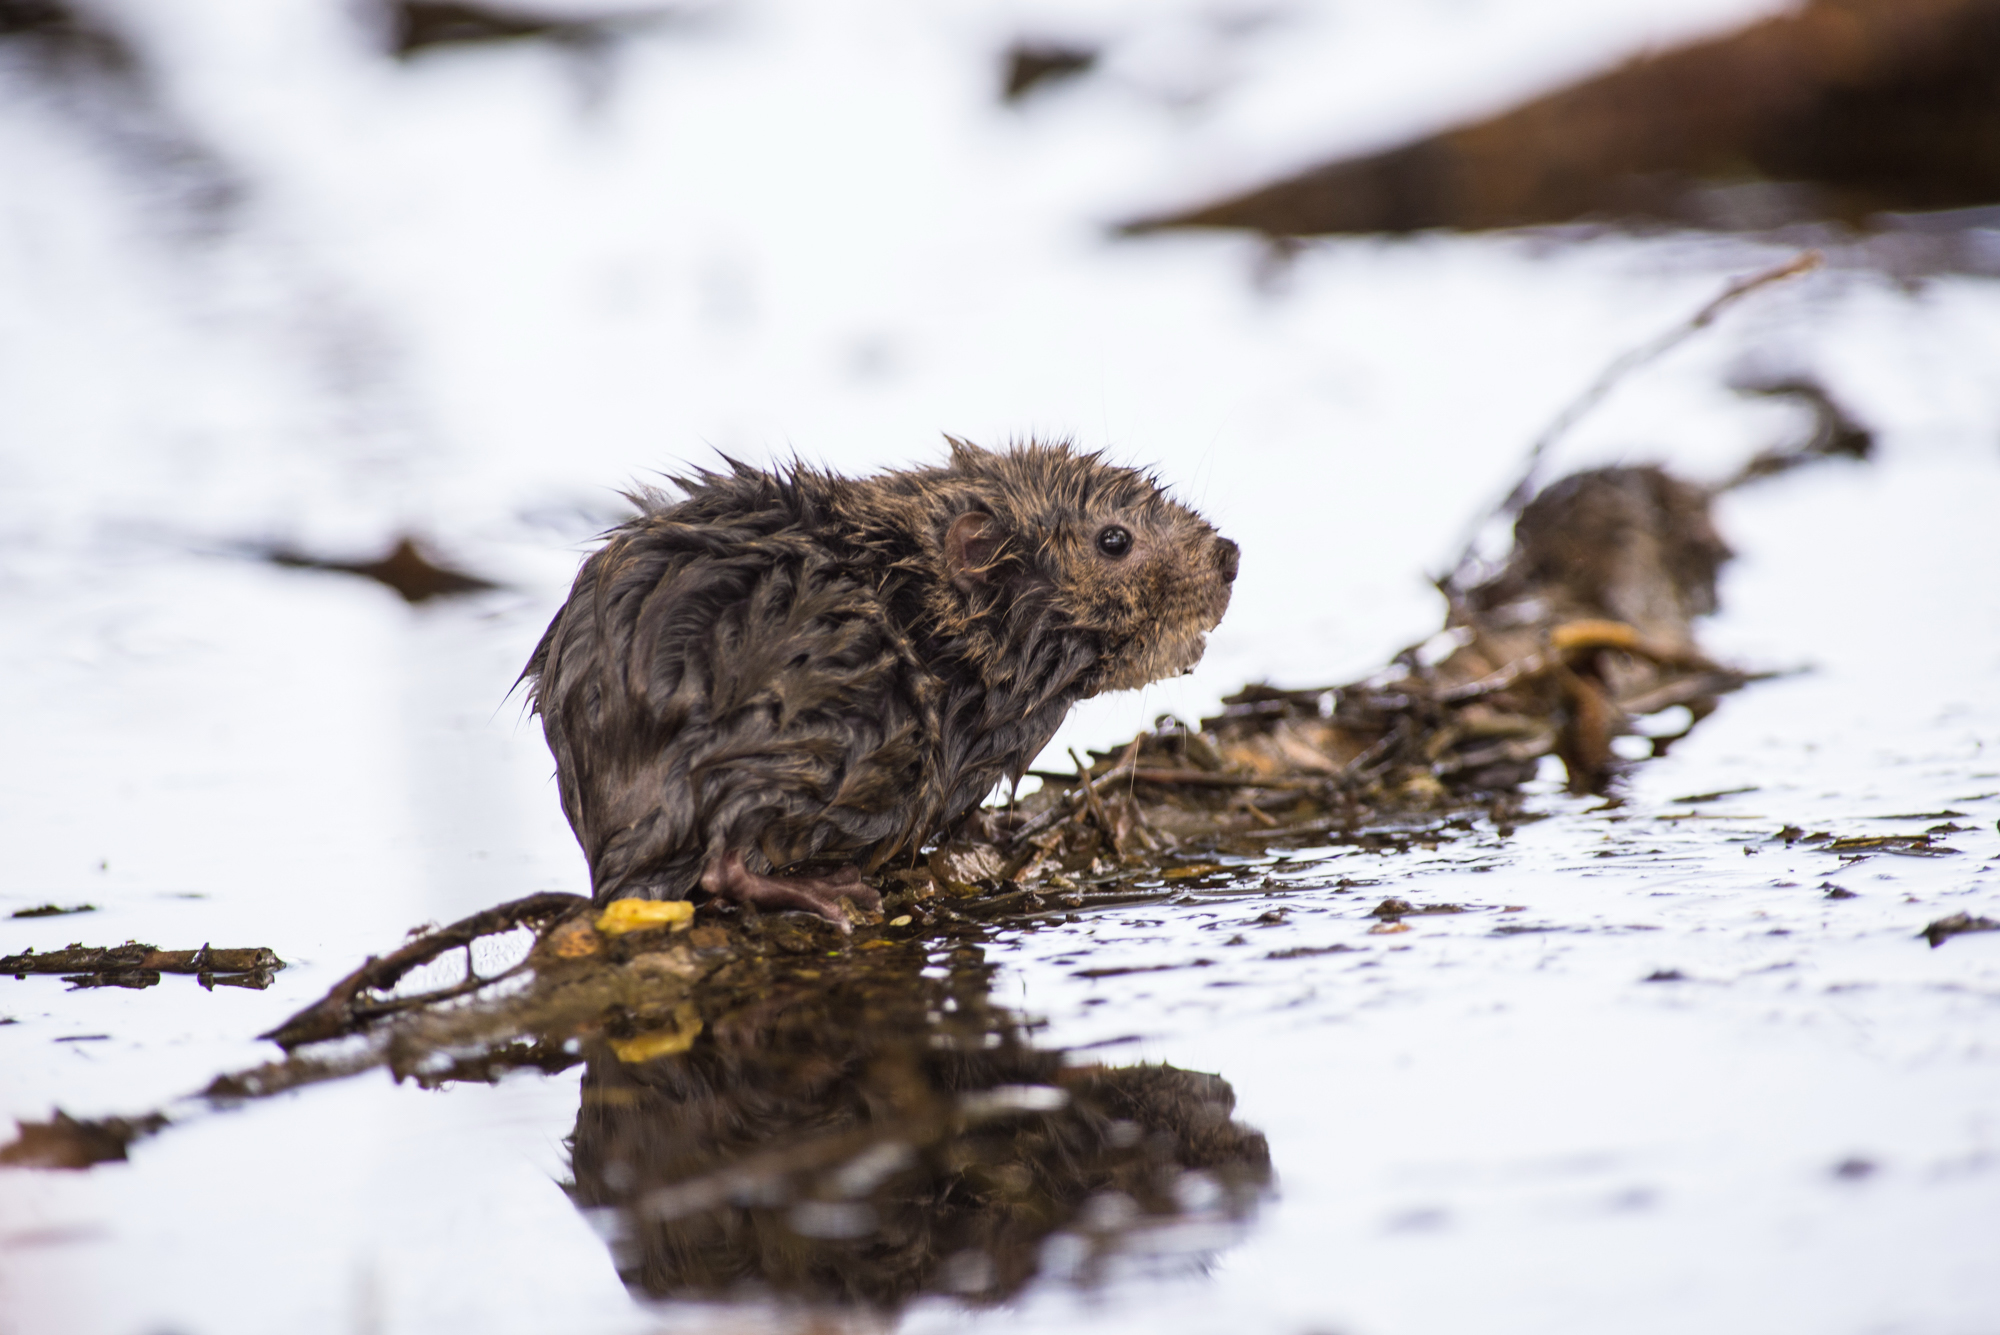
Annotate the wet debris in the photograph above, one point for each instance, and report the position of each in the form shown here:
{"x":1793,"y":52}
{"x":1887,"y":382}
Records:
{"x":1697,"y":799}
{"x":362,"y":997}
{"x":1843,"y":111}
{"x":66,"y":1142}
{"x":1392,"y":909}
{"x":1310,"y":952}
{"x":1905,"y":845}
{"x":52,"y":910}
{"x":411,"y":27}
{"x":136,"y":965}
{"x":1029,"y":65}
{"x":1958,"y":924}
{"x":1120,"y":971}
{"x":408,"y":568}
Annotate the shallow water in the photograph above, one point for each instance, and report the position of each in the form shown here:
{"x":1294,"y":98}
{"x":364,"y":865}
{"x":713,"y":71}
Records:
{"x":1493,"y":1116}
{"x":1497,"y":1119}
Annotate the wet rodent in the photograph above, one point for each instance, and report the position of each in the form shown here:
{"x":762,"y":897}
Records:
{"x":796,"y":667}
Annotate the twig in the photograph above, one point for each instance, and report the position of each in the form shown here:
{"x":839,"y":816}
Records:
{"x":1096,"y":804}
{"x":1201,"y":778}
{"x":132,"y":955}
{"x":344,"y":1009}
{"x":1607,"y":380}
{"x":1071,"y":803}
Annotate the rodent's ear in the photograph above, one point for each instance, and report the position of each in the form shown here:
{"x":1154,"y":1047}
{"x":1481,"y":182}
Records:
{"x":970,"y":545}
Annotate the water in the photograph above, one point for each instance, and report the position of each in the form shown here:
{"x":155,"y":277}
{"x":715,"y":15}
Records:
{"x":458,"y":300}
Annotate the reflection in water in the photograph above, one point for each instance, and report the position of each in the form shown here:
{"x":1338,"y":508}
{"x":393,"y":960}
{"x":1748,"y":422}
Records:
{"x":774,"y":1107}
{"x":893,"y":1134}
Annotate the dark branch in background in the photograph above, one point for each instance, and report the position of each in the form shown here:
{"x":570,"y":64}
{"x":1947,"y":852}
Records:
{"x":1842,"y":111}
{"x":406,"y":568}
{"x":1028,"y":65}
{"x":414,"y":26}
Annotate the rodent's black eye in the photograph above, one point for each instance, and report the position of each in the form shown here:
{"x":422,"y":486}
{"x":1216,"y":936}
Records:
{"x":1114,"y":541}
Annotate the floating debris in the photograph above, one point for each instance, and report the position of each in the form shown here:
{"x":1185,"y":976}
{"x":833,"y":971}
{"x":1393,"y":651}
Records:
{"x":1907,"y":845}
{"x":137,"y":965}
{"x":1030,"y":65}
{"x":1958,"y":924}
{"x":66,"y":1142}
{"x":52,"y":911}
{"x":415,"y":26}
{"x":407,"y":569}
{"x":1696,"y":799}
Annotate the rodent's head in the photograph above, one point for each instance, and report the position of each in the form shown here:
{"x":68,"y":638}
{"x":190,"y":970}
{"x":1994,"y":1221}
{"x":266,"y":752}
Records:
{"x":1040,"y":539}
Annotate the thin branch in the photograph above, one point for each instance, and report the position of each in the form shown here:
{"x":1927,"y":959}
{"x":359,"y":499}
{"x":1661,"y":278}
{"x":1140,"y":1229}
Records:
{"x":1607,"y":380}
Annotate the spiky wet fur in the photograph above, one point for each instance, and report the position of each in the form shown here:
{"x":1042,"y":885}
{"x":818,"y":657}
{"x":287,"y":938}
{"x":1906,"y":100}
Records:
{"x":791,"y":665}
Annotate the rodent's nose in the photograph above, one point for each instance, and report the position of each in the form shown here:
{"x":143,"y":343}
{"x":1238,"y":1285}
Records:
{"x":1225,"y":559}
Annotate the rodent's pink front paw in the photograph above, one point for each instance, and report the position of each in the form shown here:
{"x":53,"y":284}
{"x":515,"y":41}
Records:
{"x":727,"y":877}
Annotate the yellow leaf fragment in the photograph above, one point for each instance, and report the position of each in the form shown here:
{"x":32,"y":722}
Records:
{"x":661,"y":1042}
{"x":1198,"y":869}
{"x":634,"y":915}
{"x":1385,"y":928}
{"x":1593,"y":635}
{"x":903,"y":921}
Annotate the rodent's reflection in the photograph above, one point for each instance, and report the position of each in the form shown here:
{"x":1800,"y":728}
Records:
{"x":891,"y":1133}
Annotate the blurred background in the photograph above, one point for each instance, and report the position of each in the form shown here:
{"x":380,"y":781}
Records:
{"x":330,"y":331}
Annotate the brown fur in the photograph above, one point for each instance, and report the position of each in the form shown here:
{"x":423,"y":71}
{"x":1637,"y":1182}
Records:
{"x":800,"y":667}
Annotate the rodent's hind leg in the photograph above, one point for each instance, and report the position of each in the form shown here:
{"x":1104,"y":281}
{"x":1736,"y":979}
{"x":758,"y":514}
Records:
{"x":727,"y":877}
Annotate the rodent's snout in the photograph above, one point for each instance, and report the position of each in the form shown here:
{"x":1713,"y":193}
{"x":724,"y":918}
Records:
{"x":1225,"y":559}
